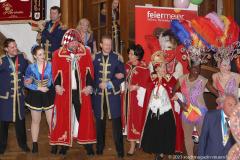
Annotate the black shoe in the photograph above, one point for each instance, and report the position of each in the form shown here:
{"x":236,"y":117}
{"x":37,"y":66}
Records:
{"x":90,"y":152}
{"x":63,"y":150}
{"x":158,"y":157}
{"x":25,"y":148}
{"x":120,"y":155}
{"x":99,"y":152}
{"x":89,"y":149}
{"x":2,"y":150}
{"x":35,"y":147}
{"x":54,"y":149}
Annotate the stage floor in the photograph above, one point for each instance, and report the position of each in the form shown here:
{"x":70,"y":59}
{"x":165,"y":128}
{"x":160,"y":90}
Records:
{"x":77,"y":152}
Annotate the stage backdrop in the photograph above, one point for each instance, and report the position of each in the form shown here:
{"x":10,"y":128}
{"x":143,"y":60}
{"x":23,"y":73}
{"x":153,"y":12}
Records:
{"x":21,"y":11}
{"x":150,"y":19}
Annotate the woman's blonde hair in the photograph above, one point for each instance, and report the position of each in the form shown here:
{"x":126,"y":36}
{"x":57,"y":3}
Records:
{"x":84,"y":20}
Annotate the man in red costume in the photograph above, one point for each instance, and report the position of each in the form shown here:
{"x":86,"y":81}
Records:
{"x":72,"y":115}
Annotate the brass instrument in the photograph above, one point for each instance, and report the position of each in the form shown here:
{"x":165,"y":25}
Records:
{"x":115,"y":31}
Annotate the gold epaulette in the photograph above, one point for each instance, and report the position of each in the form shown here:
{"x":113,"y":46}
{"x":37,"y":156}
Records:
{"x":120,"y":57}
{"x":94,"y":55}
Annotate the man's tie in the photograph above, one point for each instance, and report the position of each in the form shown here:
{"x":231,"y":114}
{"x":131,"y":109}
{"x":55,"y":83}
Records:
{"x":227,"y":122}
{"x":227,"y":129}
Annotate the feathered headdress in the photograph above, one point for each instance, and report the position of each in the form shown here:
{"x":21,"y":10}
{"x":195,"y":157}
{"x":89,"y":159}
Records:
{"x":227,"y":53}
{"x":198,"y":55}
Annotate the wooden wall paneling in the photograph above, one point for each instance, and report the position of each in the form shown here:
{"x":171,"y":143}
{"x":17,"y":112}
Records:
{"x":87,"y":8}
{"x":228,"y":7}
{"x":80,"y":6}
{"x":166,"y":3}
{"x":207,"y":7}
{"x":94,"y":16}
{"x":72,"y":12}
{"x":132,"y":27}
{"x":108,"y":26}
{"x":66,"y":7}
{"x":109,"y":17}
{"x":124,"y":26}
{"x":75,"y":13}
{"x":95,"y":21}
{"x":91,"y":11}
{"x":2,"y":39}
{"x":237,"y":11}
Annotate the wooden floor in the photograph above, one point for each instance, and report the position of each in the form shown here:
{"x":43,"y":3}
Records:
{"x":77,"y":152}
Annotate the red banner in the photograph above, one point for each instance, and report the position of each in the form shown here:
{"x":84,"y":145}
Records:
{"x":12,"y":10}
{"x":147,"y":19}
{"x":20,"y":11}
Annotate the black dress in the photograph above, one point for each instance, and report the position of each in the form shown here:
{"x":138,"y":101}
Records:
{"x":159,"y":134}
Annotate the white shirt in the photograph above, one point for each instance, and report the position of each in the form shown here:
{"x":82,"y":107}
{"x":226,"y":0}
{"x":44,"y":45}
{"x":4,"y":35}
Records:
{"x":74,"y":81}
{"x":161,"y":103}
{"x":223,"y":121}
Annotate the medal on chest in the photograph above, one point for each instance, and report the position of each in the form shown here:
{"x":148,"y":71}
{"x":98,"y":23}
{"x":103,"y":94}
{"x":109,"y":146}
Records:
{"x":156,"y":94}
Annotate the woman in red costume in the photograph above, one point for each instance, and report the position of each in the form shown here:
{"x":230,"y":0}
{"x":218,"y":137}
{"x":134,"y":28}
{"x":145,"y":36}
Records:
{"x":162,"y":133}
{"x":138,"y":75}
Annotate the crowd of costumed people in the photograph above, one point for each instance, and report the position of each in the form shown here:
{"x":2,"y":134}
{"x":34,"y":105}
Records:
{"x":217,"y":36}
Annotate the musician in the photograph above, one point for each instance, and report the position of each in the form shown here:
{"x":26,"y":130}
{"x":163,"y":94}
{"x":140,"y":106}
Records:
{"x":52,"y":32}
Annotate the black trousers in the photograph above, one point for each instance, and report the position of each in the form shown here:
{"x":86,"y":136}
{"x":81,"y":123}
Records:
{"x":116,"y":131}
{"x":20,"y":130}
{"x":77,"y":107}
